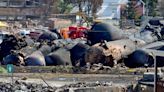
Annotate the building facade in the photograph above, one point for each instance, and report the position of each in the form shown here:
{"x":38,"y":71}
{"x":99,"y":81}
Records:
{"x":111,"y":9}
{"x":23,"y":9}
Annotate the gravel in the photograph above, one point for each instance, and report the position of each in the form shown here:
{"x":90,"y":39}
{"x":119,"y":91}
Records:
{"x":24,"y":87}
{"x":85,"y":84}
{"x":18,"y":86}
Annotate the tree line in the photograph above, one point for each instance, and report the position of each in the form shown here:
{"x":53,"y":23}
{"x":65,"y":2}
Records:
{"x":92,"y":6}
{"x":65,"y":6}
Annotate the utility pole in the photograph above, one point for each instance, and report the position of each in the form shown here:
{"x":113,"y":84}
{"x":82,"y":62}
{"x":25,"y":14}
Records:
{"x":147,"y":9}
{"x":155,"y":72}
{"x":8,"y":3}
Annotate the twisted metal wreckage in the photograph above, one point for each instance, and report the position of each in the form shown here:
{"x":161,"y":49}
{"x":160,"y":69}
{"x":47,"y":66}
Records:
{"x":105,"y":44}
{"x":134,"y":50}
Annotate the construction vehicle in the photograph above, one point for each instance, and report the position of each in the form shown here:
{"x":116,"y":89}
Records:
{"x":78,"y":31}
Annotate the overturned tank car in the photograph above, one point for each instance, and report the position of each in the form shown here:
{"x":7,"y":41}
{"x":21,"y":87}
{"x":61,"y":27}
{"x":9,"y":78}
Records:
{"x":128,"y":50}
{"x":103,"y":31}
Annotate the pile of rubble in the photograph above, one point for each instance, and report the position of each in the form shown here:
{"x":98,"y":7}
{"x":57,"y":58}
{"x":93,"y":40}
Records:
{"x":104,"y":44}
{"x":25,"y":87}
{"x":32,"y":87}
{"x":83,"y":85}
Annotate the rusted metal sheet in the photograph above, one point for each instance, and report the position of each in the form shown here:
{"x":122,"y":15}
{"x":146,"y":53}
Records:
{"x":120,"y":49}
{"x":108,"y":52}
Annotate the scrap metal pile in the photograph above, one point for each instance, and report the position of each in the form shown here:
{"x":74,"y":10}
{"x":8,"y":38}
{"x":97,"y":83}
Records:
{"x":104,"y":44}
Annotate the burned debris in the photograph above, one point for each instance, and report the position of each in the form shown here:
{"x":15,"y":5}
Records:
{"x":102,"y":44}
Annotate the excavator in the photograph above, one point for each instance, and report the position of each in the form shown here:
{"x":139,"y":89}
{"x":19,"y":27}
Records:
{"x":79,"y":30}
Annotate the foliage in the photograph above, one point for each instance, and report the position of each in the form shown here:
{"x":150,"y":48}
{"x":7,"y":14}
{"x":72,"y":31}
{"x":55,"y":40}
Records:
{"x":64,"y":6}
{"x":151,"y":6}
{"x":131,"y":10}
{"x":3,"y":70}
{"x":92,"y":5}
{"x":95,"y":5}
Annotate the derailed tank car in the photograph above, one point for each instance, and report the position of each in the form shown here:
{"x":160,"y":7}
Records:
{"x":102,"y":31}
{"x":144,"y":57}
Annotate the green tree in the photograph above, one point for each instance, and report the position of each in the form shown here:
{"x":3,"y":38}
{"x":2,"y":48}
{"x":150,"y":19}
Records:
{"x":92,"y":6}
{"x":151,"y":5}
{"x":130,"y":10}
{"x":64,"y":6}
{"x":78,"y":3}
